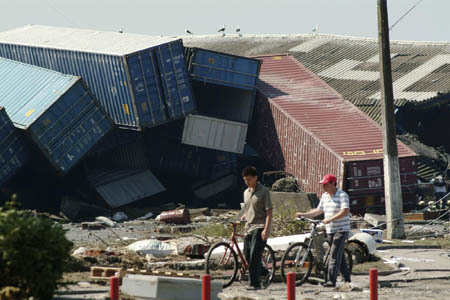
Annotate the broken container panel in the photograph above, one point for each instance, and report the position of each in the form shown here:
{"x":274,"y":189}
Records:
{"x":121,"y":187}
{"x":56,"y":110}
{"x":120,"y":69}
{"x":13,"y":154}
{"x":214,"y":133}
{"x":223,"y":69}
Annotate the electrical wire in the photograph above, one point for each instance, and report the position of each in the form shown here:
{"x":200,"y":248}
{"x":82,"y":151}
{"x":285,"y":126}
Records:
{"x":62,"y":14}
{"x":405,"y":14}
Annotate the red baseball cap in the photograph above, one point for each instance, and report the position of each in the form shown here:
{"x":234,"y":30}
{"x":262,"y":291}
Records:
{"x":328,"y":178}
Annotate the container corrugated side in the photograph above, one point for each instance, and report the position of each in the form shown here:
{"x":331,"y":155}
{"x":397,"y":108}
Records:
{"x":173,"y":157}
{"x":127,"y":156}
{"x":175,"y":79}
{"x":13,"y":154}
{"x":214,"y":133}
{"x":288,"y":146}
{"x":70,"y":127}
{"x":121,"y":187}
{"x":127,"y":86}
{"x":223,"y":69}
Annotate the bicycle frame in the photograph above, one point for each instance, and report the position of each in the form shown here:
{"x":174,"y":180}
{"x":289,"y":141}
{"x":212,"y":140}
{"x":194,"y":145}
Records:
{"x":234,"y":245}
{"x":313,"y":235}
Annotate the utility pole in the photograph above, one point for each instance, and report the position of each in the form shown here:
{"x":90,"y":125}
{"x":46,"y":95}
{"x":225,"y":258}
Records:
{"x":392,"y":185}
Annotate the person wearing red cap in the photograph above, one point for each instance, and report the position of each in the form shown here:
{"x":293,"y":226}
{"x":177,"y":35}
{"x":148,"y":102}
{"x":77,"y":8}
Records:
{"x":334,"y":204}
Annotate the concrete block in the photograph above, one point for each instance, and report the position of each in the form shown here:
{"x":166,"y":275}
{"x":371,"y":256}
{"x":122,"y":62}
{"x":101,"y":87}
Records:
{"x":166,"y":288}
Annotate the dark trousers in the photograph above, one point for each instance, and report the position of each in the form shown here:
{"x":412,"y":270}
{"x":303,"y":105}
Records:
{"x":337,"y":262}
{"x":253,"y":248}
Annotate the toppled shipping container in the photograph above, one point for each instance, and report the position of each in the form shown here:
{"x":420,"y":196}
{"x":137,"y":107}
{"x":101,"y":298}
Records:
{"x":307,"y":129}
{"x":56,"y":110}
{"x":223,"y":69}
{"x":214,"y":133}
{"x":121,"y":69}
{"x":13,"y":153}
{"x":121,"y":187}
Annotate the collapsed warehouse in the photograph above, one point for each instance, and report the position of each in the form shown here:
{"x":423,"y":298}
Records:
{"x":181,"y":114}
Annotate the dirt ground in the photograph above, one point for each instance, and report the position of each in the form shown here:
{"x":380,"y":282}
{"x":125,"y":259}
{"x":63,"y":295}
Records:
{"x":423,"y":274}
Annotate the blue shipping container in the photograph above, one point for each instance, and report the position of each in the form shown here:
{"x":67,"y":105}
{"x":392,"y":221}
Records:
{"x":175,"y":79}
{"x":13,"y":153}
{"x":223,"y":69}
{"x":56,"y":110}
{"x":120,"y":69}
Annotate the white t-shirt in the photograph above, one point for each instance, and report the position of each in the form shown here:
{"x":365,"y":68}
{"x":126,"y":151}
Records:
{"x":331,"y":205}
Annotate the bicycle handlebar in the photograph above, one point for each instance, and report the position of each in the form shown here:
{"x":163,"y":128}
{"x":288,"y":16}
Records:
{"x":315,"y":222}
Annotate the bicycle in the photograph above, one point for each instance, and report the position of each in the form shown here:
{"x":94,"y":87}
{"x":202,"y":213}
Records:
{"x":299,"y":257}
{"x":222,"y":261}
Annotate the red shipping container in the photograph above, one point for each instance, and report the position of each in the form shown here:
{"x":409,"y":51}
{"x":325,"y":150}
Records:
{"x":304,"y":127}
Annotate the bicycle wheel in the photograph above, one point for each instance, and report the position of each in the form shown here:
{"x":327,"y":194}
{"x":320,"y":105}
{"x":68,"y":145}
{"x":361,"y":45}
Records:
{"x":297,"y":260}
{"x":222,"y":263}
{"x":268,"y":266}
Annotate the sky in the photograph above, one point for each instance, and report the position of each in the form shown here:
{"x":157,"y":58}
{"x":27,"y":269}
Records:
{"x":427,"y":22}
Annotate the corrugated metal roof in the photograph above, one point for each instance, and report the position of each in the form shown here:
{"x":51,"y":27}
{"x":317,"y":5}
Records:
{"x":86,"y":40}
{"x":39,"y":89}
{"x":338,"y":124}
{"x":122,"y":187}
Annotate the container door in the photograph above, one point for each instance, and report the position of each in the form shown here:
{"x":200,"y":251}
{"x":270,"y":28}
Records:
{"x":146,"y":89}
{"x":175,"y":80}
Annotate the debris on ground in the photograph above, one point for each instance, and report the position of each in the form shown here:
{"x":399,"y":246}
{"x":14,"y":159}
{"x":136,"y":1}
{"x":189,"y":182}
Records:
{"x":378,"y":221}
{"x":106,"y":221}
{"x":120,"y":216}
{"x":153,"y":247}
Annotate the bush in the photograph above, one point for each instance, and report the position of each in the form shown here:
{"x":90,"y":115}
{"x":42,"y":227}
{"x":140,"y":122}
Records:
{"x":33,"y":253}
{"x":287,"y":184}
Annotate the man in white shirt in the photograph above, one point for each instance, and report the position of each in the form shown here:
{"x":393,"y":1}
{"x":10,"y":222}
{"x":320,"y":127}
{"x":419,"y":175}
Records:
{"x":334,"y":204}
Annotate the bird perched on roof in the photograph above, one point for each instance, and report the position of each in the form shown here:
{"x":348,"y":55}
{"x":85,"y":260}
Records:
{"x":316,"y":29}
{"x":188,"y":31}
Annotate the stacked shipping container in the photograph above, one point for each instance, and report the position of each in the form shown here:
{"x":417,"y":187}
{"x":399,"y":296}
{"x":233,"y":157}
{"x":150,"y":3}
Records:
{"x":224,"y":87}
{"x":305,"y":128}
{"x":141,"y":81}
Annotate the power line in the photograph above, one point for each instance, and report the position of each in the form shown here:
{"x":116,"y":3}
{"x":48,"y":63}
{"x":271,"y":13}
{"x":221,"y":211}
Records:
{"x":61,"y":13}
{"x":405,"y":14}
